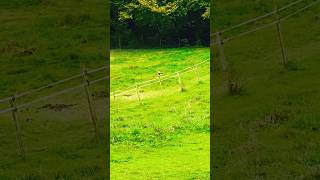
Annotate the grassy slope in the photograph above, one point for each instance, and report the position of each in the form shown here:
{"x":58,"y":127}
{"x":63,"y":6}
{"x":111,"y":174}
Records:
{"x":247,"y":144}
{"x":63,"y":34}
{"x":166,"y":135}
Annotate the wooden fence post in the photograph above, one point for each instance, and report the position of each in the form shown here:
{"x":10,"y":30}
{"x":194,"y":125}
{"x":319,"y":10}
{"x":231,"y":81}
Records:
{"x":114,"y":96}
{"x":197,"y":73}
{"x":160,"y":81}
{"x":115,"y":103}
{"x":221,"y":51}
{"x":137,"y":91}
{"x":17,"y":127}
{"x":91,"y":108}
{"x":280,"y":37}
{"x":180,"y":82}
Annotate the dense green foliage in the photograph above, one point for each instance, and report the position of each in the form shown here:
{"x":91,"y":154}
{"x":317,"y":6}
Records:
{"x":270,"y":128}
{"x":166,"y":135}
{"x":170,"y":23}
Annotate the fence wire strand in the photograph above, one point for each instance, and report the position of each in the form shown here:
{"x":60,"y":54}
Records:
{"x":262,"y":17}
{"x":269,"y":24}
{"x":51,"y":85}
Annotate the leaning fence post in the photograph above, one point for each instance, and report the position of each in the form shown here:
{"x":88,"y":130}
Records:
{"x":221,"y":51}
{"x":91,"y":109}
{"x":180,"y":82}
{"x":137,"y":91}
{"x":17,"y":127}
{"x":280,"y":37}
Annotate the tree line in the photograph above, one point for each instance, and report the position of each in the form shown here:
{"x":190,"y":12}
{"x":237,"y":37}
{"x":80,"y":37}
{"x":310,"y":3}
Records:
{"x":159,"y":23}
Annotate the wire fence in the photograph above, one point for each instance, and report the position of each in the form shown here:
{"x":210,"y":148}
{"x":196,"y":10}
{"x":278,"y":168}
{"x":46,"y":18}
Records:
{"x":220,"y":40}
{"x":87,"y":96}
{"x":80,"y":100}
{"x":84,"y":102}
{"x":160,"y":79}
{"x":261,"y":62}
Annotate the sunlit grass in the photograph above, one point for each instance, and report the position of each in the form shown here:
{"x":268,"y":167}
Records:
{"x":166,"y":134}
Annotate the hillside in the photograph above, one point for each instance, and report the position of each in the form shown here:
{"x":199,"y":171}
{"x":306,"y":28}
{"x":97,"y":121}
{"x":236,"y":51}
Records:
{"x":165,"y":135}
{"x":43,"y":41}
{"x":269,"y":128}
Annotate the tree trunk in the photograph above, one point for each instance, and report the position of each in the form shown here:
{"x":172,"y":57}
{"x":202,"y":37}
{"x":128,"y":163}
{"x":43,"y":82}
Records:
{"x":119,"y":41}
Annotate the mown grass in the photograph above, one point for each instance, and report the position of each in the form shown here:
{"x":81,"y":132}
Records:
{"x":166,"y":134}
{"x":270,"y":130}
{"x":42,"y":41}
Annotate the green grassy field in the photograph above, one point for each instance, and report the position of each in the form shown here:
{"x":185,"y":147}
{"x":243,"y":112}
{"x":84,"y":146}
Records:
{"x":43,"y":41}
{"x":166,"y":134}
{"x":270,"y":130}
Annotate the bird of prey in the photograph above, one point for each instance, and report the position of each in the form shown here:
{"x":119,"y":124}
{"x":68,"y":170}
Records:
{"x":159,"y":73}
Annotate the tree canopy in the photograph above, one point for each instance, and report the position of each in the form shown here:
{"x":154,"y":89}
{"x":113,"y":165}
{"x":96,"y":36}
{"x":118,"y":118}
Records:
{"x":159,"y":23}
